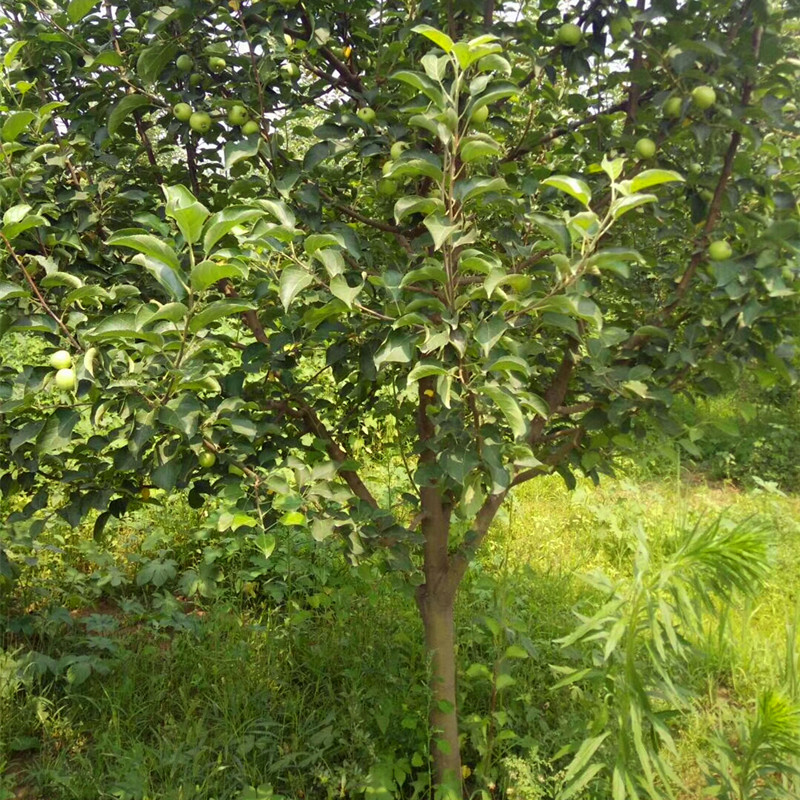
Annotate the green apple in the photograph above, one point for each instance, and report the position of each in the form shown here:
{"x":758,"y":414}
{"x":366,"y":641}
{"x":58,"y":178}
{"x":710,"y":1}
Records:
{"x":288,"y":41}
{"x":195,"y":79}
{"x":398,"y":148}
{"x":645,"y":148}
{"x":720,"y":250}
{"x":184,"y":63}
{"x":61,"y":359}
{"x":145,"y":492}
{"x":237,"y":115}
{"x":387,"y":187}
{"x":672,"y":108}
{"x":182,"y":112}
{"x":621,"y":27}
{"x":207,"y":459}
{"x":216,"y":64}
{"x":250,"y":127}
{"x":790,"y":107}
{"x":480,"y":115}
{"x":65,"y":379}
{"x":200,"y":122}
{"x":569,"y":34}
{"x":695,"y":168}
{"x":387,"y":167}
{"x":366,"y":114}
{"x":703,"y":97}
{"x":290,"y":70}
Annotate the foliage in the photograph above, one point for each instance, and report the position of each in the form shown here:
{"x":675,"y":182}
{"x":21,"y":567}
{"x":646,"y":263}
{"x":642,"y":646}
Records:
{"x":237,"y":303}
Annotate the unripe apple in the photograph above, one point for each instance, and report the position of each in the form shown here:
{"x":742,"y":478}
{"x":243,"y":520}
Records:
{"x":145,"y":492}
{"x":184,"y":63}
{"x":695,"y":168}
{"x":480,"y":115}
{"x":703,"y":97}
{"x":672,"y":108}
{"x":720,"y":250}
{"x":237,"y":115}
{"x":195,"y":79}
{"x":65,"y":379}
{"x":206,"y":459}
{"x":387,"y":167}
{"x":216,"y":64}
{"x":288,"y":41}
{"x":387,"y":187}
{"x":290,"y":70}
{"x":569,"y":34}
{"x":250,"y":127}
{"x":366,"y":114}
{"x":200,"y":122}
{"x":645,"y":148}
{"x":182,"y":112}
{"x":61,"y":359}
{"x":621,"y":27}
{"x":398,"y":148}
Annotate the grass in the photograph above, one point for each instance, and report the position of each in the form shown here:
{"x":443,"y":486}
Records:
{"x":318,"y":690}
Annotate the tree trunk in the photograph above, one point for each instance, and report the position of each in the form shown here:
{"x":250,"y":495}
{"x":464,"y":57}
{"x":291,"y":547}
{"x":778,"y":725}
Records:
{"x":436,"y":609}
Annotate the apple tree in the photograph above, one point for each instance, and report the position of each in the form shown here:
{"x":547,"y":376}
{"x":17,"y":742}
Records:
{"x":518,"y":231}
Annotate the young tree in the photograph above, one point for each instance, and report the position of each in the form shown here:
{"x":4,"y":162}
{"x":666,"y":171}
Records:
{"x":253,"y":224}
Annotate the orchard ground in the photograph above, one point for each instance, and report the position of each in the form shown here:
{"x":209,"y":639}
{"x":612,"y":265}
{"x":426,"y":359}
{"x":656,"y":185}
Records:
{"x":309,"y":680}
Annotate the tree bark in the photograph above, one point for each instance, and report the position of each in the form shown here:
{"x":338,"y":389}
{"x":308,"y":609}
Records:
{"x":436,"y":608}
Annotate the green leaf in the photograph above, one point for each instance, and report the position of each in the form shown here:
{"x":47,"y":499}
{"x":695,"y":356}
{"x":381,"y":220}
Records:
{"x":148,"y":244}
{"x":439,"y":38}
{"x":475,"y":148}
{"x":246,"y":147}
{"x":398,"y":349}
{"x":470,"y":189}
{"x":425,"y":369}
{"x":509,"y":406}
{"x":78,"y":9}
{"x":124,"y":109}
{"x":265,"y":542}
{"x":207,"y":273}
{"x":429,"y":167}
{"x":555,"y":229}
{"x":346,"y":293}
{"x":612,"y":167}
{"x":439,"y":229}
{"x":510,"y":363}
{"x":223,"y":222}
{"x":217,"y":310}
{"x":416,"y":205}
{"x":585,"y":753}
{"x":16,"y":122}
{"x":166,"y":275}
{"x":10,"y":291}
{"x":26,"y":223}
{"x":187,"y":211}
{"x":57,"y":432}
{"x":572,"y":186}
{"x":293,"y":281}
{"x":153,"y":60}
{"x":653,"y":177}
{"x":293,"y":518}
{"x":423,"y":84}
{"x":623,"y":205}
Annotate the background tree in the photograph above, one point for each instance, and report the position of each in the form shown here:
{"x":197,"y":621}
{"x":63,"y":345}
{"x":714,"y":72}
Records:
{"x":438,"y":214}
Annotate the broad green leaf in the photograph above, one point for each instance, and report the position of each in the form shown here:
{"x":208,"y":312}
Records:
{"x":398,"y":349}
{"x":265,"y":542}
{"x":346,"y":293}
{"x":424,"y":369}
{"x":280,"y":211}
{"x":78,"y":9}
{"x":423,"y":84}
{"x":148,"y":244}
{"x":509,"y":406}
{"x":26,"y":223}
{"x":153,"y":60}
{"x":293,"y":519}
{"x":15,"y":123}
{"x":475,"y":187}
{"x":653,"y":177}
{"x":124,"y":109}
{"x":496,"y":91}
{"x":187,"y":211}
{"x":572,"y":186}
{"x":166,"y":275}
{"x":223,"y":222}
{"x":468,"y":53}
{"x":293,"y":281}
{"x":439,"y":38}
{"x":439,"y":229}
{"x":475,"y":148}
{"x":510,"y":363}
{"x":623,"y":205}
{"x":217,"y":310}
{"x":428,"y":166}
{"x":416,"y":205}
{"x":246,"y":147}
{"x":555,"y":229}
{"x":207,"y":273}
{"x":612,"y":167}
{"x":57,"y":431}
{"x":10,"y":291}
{"x":321,"y":529}
{"x":12,"y":52}
{"x":316,"y":241}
